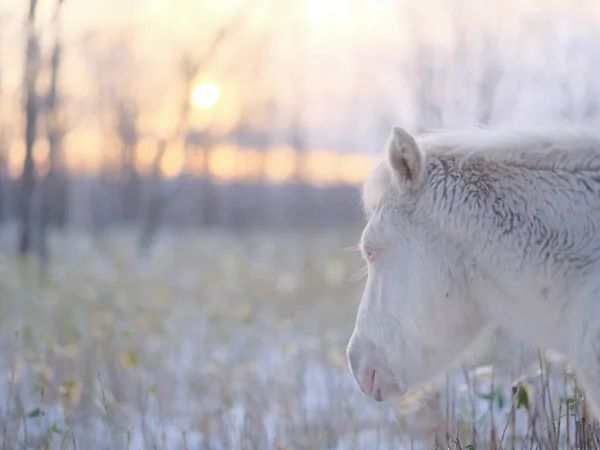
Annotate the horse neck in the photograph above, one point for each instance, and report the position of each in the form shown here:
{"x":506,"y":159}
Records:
{"x":509,"y":218}
{"x":457,"y":202}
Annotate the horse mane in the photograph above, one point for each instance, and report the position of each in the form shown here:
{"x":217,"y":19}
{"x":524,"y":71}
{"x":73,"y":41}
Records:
{"x":376,"y":186}
{"x":567,"y":148}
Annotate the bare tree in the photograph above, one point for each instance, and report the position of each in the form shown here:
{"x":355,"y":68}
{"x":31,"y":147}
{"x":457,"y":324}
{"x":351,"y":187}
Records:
{"x":153,"y":200}
{"x":4,"y":175}
{"x":420,"y":71}
{"x":253,"y":129}
{"x":124,"y":105}
{"x":105,"y":66}
{"x":490,"y":78}
{"x":591,"y":100}
{"x":54,"y":185}
{"x":127,"y":124}
{"x":190,"y":68}
{"x":28,"y":176}
{"x":428,"y":107}
{"x":297,"y":130}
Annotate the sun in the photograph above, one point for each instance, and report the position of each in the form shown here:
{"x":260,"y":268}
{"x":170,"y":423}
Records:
{"x":205,"y":95}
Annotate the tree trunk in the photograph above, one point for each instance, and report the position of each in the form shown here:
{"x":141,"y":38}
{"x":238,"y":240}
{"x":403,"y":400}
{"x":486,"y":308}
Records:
{"x":153,"y":204}
{"x":4,"y":176}
{"x":28,"y":177}
{"x":53,"y":187}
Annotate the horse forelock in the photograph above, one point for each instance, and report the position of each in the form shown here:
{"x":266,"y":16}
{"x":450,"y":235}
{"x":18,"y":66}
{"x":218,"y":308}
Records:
{"x":375,"y":187}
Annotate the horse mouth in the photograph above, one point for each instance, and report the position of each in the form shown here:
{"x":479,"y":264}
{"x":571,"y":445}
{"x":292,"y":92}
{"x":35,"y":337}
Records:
{"x":383,"y":386}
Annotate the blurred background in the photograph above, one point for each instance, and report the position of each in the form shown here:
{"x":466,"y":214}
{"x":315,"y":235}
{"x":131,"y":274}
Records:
{"x":179,"y":180}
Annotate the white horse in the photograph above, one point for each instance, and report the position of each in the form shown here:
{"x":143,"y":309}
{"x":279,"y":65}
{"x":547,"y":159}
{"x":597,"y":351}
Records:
{"x":473,"y":232}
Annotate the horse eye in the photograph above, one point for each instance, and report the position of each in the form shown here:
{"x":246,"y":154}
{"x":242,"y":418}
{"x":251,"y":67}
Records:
{"x":370,"y":253}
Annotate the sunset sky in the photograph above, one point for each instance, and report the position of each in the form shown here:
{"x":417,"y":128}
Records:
{"x":332,"y":63}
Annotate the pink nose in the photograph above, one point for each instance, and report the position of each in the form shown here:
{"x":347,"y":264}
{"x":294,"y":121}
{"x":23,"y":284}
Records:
{"x":372,"y":385}
{"x":363,"y":361}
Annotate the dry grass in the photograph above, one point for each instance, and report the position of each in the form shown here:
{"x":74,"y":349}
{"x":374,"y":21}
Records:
{"x":225,"y":342}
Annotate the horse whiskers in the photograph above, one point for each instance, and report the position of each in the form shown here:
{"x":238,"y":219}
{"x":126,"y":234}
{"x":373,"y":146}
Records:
{"x":346,"y":375}
{"x":361,"y":273}
{"x":354,"y":248}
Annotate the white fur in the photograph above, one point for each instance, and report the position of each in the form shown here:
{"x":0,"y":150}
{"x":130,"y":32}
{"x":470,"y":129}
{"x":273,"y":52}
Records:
{"x":503,"y":232}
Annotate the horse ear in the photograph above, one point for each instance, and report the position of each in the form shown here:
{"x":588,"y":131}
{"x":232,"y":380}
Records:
{"x":405,"y":158}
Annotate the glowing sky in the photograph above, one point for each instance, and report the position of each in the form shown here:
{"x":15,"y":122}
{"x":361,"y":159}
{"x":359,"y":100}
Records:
{"x":332,"y":63}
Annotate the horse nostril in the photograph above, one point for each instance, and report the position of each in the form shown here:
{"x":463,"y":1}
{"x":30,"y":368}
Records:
{"x":377,"y":396}
{"x":374,"y":377}
{"x":363,"y":364}
{"x":369,"y":381}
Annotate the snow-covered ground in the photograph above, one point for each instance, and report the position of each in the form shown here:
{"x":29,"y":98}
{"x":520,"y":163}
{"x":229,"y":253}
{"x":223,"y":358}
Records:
{"x":221,"y":342}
